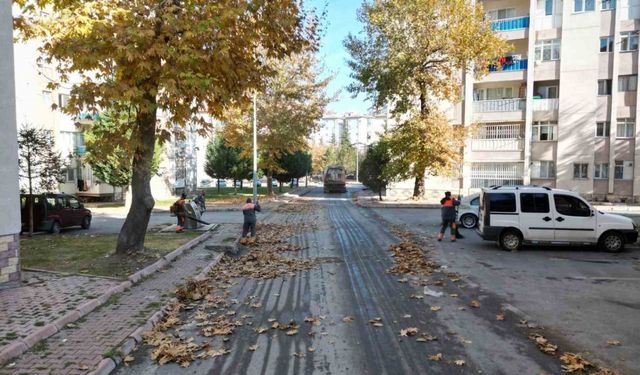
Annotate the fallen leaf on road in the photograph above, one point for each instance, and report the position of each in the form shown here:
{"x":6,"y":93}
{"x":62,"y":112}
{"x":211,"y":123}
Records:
{"x":406,"y":316}
{"x":436,"y":357}
{"x":128,"y":359}
{"x":459,"y":362}
{"x":500,"y":316}
{"x":262,"y":329}
{"x":299,"y":355}
{"x":475,"y":303}
{"x":454,"y":295}
{"x":256,"y":305}
{"x":613,"y":342}
{"x":436,"y":308}
{"x":462,"y":308}
{"x":253,"y":348}
{"x":425,"y":338}
{"x":415,"y":296}
{"x":348,"y":319}
{"x":408,"y":331}
{"x":292,"y":332}
{"x":543,"y":344}
{"x":311,"y":350}
{"x":574,"y":362}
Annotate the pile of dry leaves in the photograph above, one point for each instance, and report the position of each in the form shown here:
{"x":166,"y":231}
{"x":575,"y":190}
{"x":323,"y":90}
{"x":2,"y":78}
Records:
{"x":411,"y":259}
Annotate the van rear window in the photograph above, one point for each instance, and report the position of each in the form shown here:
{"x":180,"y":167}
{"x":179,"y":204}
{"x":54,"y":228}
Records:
{"x":502,"y":202}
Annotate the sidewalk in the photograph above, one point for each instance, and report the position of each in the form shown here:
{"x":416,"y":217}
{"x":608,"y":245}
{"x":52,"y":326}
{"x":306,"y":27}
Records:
{"x":79,"y":347}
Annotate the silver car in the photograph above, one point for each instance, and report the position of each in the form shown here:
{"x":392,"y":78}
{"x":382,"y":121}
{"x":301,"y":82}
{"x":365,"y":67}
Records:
{"x":468,"y":211}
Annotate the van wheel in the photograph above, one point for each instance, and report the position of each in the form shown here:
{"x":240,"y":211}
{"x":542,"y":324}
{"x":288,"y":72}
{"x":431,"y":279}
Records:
{"x":469,"y":221}
{"x":86,"y":222}
{"x":612,"y":242}
{"x":510,"y":240}
{"x":55,"y":228}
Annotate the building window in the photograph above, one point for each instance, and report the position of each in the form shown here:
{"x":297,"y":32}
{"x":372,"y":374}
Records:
{"x":604,"y":87}
{"x":628,"y":83}
{"x":580,"y":171}
{"x":47,"y":98}
{"x":545,"y":131}
{"x":543,"y":169}
{"x":608,"y":4}
{"x":71,"y":174}
{"x":548,"y":50}
{"x":548,"y":7}
{"x":601,"y":171}
{"x":501,"y":14}
{"x":623,"y":170}
{"x":606,"y":44}
{"x":629,"y":41}
{"x":626,"y":128}
{"x":584,"y":5}
{"x":603,"y":129}
{"x":62,"y":100}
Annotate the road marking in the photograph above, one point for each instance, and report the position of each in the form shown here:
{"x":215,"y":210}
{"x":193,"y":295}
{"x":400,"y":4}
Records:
{"x":603,"y":278}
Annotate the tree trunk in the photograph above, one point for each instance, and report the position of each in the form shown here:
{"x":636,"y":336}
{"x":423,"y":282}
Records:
{"x":418,"y":187}
{"x":280,"y":186}
{"x":218,"y":184}
{"x":380,"y":195}
{"x":269,"y":182}
{"x":131,"y":237}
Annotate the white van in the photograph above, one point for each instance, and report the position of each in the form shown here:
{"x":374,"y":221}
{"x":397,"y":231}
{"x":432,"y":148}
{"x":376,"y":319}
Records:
{"x":541,"y":215}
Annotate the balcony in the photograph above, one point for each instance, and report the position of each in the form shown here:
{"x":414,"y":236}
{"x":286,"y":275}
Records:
{"x":508,"y":24}
{"x":545,"y":104}
{"x":497,"y":144}
{"x":500,"y":105}
{"x":511,"y":67}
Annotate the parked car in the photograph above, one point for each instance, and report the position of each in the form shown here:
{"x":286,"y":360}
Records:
{"x":52,"y":212}
{"x":468,"y":211}
{"x":238,"y":184}
{"x":541,"y":215}
{"x":222,"y":183}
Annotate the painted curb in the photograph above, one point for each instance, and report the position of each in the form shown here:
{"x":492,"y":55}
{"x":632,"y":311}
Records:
{"x":107,"y":365}
{"x":18,"y":348}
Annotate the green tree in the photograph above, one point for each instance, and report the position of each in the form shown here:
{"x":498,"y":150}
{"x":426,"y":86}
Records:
{"x":108,"y":141}
{"x":183,"y":58}
{"x":373,"y":168}
{"x":40,"y":165}
{"x":293,"y":165}
{"x":288,"y":112}
{"x":415,"y":51}
{"x":341,"y":153}
{"x":223,"y":161}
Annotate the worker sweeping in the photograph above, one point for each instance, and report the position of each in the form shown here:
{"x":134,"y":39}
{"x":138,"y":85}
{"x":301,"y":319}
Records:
{"x":249,"y":211}
{"x":449,"y":214}
{"x":180,"y":211}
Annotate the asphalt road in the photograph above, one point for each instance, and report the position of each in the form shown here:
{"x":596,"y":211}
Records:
{"x":579,"y":294}
{"x":352,"y":281}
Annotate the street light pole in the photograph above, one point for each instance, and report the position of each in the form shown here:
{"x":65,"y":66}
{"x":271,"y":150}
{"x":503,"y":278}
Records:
{"x":255,"y":148}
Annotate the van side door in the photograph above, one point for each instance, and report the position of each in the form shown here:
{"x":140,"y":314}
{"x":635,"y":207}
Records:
{"x":536,"y":219}
{"x":574,"y":219}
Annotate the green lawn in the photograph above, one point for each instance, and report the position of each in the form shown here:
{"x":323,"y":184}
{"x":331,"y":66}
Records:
{"x":228,"y":195}
{"x":95,"y":255}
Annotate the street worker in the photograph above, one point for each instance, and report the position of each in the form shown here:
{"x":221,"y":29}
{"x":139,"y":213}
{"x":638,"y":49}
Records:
{"x":249,"y":212}
{"x":180,"y":211}
{"x":449,"y":214}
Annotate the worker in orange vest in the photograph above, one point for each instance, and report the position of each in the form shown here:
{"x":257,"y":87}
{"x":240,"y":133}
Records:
{"x":449,"y":215}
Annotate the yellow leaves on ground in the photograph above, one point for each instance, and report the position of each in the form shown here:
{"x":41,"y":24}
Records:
{"x":574,"y":363}
{"x":436,"y":308}
{"x":408,"y":331}
{"x":436,"y":357}
{"x":410,"y":259}
{"x":347,"y":319}
{"x":376,"y":322}
{"x":194,"y":289}
{"x":543,"y":344}
{"x":475,"y":303}
{"x":500,"y":316}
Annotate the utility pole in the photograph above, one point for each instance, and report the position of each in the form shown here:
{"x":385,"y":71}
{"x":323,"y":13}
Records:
{"x":255,"y":148}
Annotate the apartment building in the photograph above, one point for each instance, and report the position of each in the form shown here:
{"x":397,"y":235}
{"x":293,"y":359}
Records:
{"x":363,"y":129}
{"x":560,"y":108}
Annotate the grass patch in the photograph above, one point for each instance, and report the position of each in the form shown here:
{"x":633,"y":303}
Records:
{"x":95,"y":255}
{"x":39,"y":323}
{"x":11,"y":336}
{"x":228,"y":195}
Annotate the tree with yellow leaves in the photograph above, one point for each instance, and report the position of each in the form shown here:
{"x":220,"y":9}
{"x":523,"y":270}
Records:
{"x":412,"y":55}
{"x":288,"y":109}
{"x":180,"y":57}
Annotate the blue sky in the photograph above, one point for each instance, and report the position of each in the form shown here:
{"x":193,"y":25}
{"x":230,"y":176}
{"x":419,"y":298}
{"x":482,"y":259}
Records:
{"x":341,"y":19}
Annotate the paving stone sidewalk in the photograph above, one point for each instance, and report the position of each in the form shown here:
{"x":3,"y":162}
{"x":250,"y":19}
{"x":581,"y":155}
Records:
{"x":78,"y":348}
{"x":42,"y":298}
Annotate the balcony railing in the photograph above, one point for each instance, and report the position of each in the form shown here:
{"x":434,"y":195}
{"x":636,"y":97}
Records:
{"x":489,"y":174}
{"x":512,"y":66}
{"x":497,"y":145}
{"x":545,"y":104}
{"x":501,"y":105}
{"x":507,"y":24}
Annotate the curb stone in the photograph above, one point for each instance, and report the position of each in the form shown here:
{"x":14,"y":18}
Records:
{"x":18,"y":348}
{"x":107,"y":365}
